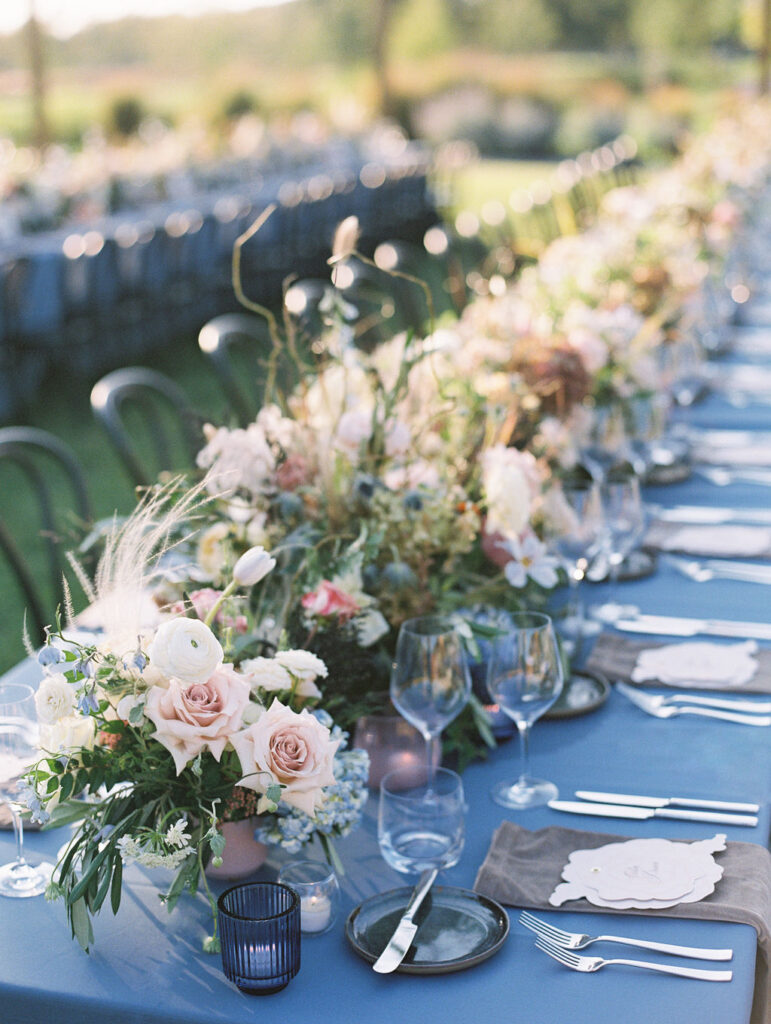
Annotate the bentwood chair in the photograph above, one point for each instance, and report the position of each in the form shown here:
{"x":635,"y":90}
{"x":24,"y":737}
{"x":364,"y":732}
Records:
{"x":149,"y":421}
{"x":44,"y":483}
{"x":237,"y":345}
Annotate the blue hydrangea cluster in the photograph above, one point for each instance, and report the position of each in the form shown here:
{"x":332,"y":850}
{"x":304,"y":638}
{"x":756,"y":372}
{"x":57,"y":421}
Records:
{"x":291,"y":829}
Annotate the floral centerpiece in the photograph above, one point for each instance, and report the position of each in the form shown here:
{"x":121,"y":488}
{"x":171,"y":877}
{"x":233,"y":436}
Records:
{"x":152,"y":736}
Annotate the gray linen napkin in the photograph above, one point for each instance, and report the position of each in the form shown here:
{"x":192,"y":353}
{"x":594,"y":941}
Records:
{"x":615,"y":656}
{"x":522,"y":869}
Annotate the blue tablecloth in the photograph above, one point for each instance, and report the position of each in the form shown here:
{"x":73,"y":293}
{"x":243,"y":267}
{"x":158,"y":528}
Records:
{"x":147,"y":967}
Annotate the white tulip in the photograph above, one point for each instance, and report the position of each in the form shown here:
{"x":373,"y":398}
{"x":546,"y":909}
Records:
{"x":252,"y":566}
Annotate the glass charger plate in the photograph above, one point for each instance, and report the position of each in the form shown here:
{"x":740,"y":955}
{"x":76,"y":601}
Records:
{"x":457,"y":928}
{"x":583,"y":692}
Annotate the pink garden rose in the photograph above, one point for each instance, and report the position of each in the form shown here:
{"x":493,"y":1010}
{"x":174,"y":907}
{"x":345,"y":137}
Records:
{"x":294,"y":750}
{"x":327,"y":599}
{"x":293,"y":472}
{"x":189,"y":719}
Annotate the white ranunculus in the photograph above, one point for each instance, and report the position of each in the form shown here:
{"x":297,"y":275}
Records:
{"x":353,"y":429}
{"x":252,"y":566}
{"x":54,"y":699}
{"x":186,"y":649}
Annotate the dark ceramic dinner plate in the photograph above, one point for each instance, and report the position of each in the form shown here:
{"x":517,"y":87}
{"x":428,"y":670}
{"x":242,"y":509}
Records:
{"x":583,"y":692}
{"x":457,"y":928}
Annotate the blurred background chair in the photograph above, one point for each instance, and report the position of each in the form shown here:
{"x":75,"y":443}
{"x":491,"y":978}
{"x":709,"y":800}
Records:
{"x":145,"y":412}
{"x":237,"y":345}
{"x":40,"y":472}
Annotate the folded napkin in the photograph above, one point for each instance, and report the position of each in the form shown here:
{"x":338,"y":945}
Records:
{"x":703,"y":664}
{"x":699,"y":662}
{"x":522,"y":869}
{"x":720,"y":541}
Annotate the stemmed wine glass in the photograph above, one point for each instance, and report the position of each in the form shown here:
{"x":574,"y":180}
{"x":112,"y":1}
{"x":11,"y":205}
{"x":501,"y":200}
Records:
{"x":430,"y":680}
{"x":525,"y":677}
{"x":574,"y":527}
{"x":624,"y":516}
{"x":18,"y":750}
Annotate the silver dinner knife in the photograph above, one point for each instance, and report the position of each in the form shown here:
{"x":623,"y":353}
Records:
{"x":669,"y":801}
{"x":401,"y":940}
{"x":672,"y":625}
{"x":642,"y":813}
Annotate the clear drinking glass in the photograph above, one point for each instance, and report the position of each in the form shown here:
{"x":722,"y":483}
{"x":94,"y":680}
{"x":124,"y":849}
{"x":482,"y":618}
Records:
{"x":18,"y":750}
{"x":318,"y":890}
{"x":624,"y":516}
{"x":524,"y":675}
{"x":421,"y":819}
{"x":430,"y":680}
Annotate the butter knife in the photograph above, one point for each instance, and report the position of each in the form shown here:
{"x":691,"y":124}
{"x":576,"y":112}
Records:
{"x":666,"y":801}
{"x":401,"y":940}
{"x":642,"y":813}
{"x":671,"y":625}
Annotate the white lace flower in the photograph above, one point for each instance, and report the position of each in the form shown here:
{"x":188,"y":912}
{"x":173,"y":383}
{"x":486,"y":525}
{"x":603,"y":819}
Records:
{"x":176,"y":834}
{"x":265,"y":674}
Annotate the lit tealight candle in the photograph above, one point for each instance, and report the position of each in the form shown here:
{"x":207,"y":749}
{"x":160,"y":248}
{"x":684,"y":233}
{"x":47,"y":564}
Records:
{"x":315,"y":913}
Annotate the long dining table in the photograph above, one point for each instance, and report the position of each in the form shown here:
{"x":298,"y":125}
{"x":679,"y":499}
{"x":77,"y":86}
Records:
{"x":147,"y":967}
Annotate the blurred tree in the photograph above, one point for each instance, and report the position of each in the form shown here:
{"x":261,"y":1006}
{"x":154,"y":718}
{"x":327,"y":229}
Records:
{"x":593,"y":24}
{"x":239,"y":103}
{"x":528,"y":25}
{"x":125,"y":115}
{"x":666,"y":27}
{"x":422,"y":28}
{"x":37,"y":72}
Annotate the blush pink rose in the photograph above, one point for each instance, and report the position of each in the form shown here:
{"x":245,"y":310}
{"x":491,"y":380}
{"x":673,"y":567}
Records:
{"x":293,"y":473}
{"x":294,"y":750}
{"x":189,"y":719}
{"x":328,"y":599}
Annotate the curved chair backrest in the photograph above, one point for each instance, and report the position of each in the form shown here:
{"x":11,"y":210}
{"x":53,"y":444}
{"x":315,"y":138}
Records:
{"x":44,"y":462}
{"x":165,"y":432}
{"x":235,"y":343}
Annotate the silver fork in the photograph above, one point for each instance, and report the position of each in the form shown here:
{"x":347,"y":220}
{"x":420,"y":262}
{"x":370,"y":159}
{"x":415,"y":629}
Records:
{"x":588,"y":964}
{"x":655,"y":706}
{"x":576,"y":940}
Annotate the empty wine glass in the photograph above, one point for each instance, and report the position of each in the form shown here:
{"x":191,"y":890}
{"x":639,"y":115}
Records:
{"x":18,"y":750}
{"x":524,"y":675}
{"x":624,"y":517}
{"x":430,"y":680}
{"x":574,"y":527}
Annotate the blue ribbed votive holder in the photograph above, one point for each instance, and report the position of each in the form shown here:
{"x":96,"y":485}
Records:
{"x":260,"y":936}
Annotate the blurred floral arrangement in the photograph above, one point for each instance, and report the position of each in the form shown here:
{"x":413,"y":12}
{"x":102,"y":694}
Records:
{"x":152,"y":737}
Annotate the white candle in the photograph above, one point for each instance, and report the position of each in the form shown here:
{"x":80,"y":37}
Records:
{"x":315,"y":912}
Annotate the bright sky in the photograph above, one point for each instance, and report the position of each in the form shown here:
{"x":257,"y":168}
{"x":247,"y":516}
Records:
{"x":67,"y":16}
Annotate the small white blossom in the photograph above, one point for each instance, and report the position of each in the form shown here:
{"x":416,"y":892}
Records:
{"x":177,"y":834}
{"x":266,"y":674}
{"x":529,"y":559}
{"x":302,"y":664}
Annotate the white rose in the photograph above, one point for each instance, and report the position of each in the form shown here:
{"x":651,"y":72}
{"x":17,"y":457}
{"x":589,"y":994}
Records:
{"x":353,"y":429}
{"x":186,"y":649}
{"x":211,"y":555}
{"x":507,"y":491}
{"x":53,"y":699}
{"x":302,"y":664}
{"x":252,"y":566}
{"x":69,"y":733}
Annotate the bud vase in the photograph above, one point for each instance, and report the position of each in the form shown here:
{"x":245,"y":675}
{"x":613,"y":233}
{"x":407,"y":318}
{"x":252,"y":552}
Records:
{"x":242,"y":855}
